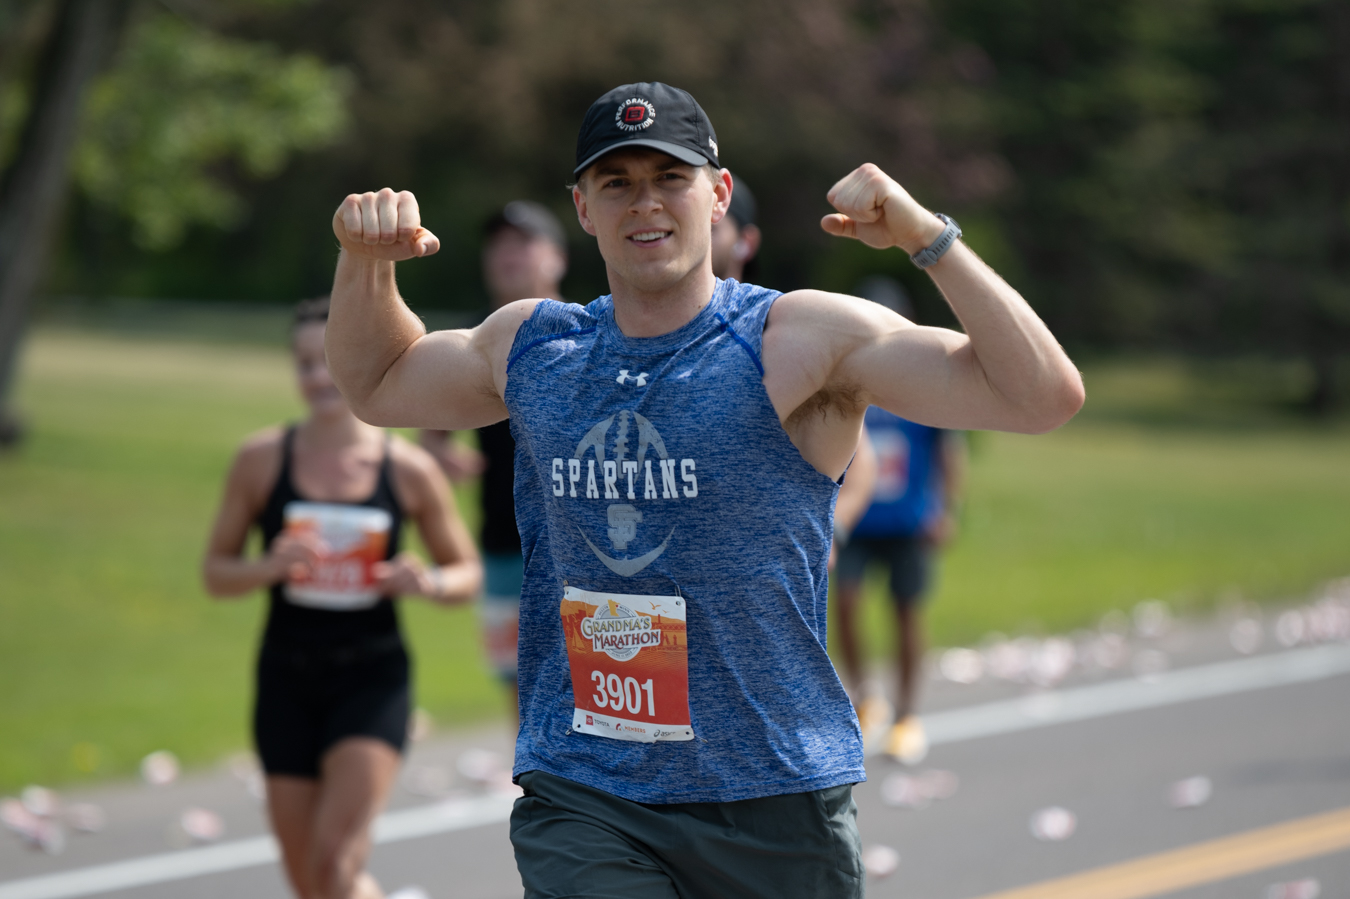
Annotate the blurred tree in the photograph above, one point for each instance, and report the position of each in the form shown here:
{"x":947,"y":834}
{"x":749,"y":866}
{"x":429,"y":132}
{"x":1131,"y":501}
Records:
{"x":163,"y":131}
{"x":472,"y":103}
{"x":1181,"y":173}
{"x":82,"y":38}
{"x":1148,"y":172}
{"x":161,"y":138}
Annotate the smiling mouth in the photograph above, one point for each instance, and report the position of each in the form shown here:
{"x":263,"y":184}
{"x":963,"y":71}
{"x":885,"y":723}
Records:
{"x":648,"y":236}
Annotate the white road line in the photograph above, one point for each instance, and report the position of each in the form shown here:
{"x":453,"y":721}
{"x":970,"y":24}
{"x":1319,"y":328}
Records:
{"x":954,"y":726}
{"x":1112,"y":698}
{"x":151,"y":869}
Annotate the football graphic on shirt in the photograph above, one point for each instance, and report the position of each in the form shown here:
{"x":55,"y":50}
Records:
{"x":623,"y":461}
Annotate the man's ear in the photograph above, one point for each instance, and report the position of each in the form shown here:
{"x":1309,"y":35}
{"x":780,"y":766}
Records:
{"x":722,"y":188}
{"x":579,"y":200}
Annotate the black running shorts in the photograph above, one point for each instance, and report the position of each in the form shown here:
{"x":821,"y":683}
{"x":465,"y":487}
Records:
{"x":909,"y":559}
{"x":576,"y":841}
{"x":308,"y":700}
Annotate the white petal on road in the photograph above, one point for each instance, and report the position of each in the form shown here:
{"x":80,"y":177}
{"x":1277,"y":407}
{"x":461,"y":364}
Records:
{"x":1191,"y":792}
{"x":1152,"y":619}
{"x":40,"y":801}
{"x":1246,"y":635}
{"x":962,"y":666}
{"x":1053,"y":824}
{"x":1308,"y":888}
{"x":1290,"y":628}
{"x":480,"y":765}
{"x":938,"y":784}
{"x":159,"y":768}
{"x":49,"y":836}
{"x":1052,"y":662}
{"x":409,"y":893}
{"x":15,"y":816}
{"x":202,"y":825}
{"x":1150,"y":663}
{"x":85,"y":817}
{"x":903,"y":791}
{"x":878,"y":861}
{"x":427,"y":780}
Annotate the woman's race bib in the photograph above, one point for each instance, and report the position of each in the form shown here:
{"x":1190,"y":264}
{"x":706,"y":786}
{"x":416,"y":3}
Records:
{"x":629,"y":656}
{"x":356,"y":538}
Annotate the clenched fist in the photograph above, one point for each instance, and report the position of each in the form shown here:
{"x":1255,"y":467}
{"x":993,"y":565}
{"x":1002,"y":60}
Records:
{"x":875,"y":209}
{"x":383,"y":225}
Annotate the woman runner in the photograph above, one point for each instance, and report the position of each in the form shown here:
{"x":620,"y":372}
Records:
{"x":330,"y":721}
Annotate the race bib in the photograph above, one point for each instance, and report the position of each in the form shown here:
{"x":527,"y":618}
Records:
{"x":629,"y":656}
{"x":356,"y":538}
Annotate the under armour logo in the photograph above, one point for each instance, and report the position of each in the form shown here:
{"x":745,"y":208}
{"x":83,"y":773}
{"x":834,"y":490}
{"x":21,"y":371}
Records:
{"x":624,"y":377}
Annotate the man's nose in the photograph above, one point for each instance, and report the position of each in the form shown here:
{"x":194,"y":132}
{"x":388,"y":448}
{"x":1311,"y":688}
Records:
{"x":645,"y":198}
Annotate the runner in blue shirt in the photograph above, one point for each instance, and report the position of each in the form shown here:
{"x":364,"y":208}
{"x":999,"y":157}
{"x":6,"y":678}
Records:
{"x":920,"y":471}
{"x":679,"y":447}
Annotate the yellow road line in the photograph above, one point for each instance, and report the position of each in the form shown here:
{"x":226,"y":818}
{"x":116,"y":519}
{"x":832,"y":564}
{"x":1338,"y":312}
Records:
{"x":1166,"y":872}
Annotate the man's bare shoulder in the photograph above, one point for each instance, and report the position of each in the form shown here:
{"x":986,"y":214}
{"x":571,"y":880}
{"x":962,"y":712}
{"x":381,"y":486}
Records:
{"x":822,"y":326}
{"x":506,"y":321}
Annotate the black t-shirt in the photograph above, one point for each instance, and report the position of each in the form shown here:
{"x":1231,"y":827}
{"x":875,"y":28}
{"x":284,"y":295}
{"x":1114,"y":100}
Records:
{"x":498,"y":494}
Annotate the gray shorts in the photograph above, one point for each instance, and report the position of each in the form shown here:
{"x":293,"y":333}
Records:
{"x":575,"y":841}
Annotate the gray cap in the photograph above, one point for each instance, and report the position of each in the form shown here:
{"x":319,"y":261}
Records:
{"x":529,"y":218}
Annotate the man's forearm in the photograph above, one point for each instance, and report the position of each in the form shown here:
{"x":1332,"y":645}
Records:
{"x":1019,"y":357}
{"x":369,"y":327}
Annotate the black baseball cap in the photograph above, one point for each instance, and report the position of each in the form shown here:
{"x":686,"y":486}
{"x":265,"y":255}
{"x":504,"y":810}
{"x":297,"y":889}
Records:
{"x":647,"y":114}
{"x":743,"y":207}
{"x":530,"y":218}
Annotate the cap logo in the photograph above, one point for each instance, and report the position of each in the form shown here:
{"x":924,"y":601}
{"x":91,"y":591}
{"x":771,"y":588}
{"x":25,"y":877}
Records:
{"x":635,"y":114}
{"x":712,"y":143}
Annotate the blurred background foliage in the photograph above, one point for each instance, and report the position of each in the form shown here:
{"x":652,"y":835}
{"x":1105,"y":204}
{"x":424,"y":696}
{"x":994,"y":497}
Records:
{"x":1151,"y":173}
{"x":1165,"y":181}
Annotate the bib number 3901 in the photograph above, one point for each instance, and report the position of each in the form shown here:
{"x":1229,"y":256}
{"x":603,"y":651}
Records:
{"x":629,"y":657}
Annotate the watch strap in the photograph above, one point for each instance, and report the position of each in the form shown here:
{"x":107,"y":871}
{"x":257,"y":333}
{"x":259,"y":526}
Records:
{"x":935,"y":251}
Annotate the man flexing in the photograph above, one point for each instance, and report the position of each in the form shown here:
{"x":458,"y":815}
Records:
{"x":683,"y":732}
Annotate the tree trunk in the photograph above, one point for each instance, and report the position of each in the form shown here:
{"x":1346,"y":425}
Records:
{"x":31,"y":194}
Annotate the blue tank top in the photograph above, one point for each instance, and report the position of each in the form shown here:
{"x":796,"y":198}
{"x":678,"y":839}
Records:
{"x":731,"y":519}
{"x":908,"y":495}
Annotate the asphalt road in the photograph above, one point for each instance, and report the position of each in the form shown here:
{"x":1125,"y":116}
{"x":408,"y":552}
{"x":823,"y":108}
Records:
{"x":1272,"y":753}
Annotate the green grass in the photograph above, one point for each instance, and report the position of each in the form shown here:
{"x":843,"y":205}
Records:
{"x":107,"y":637}
{"x":1178,"y":482}
{"x":1194,"y":483}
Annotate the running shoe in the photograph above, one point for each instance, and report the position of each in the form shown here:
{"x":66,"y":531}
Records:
{"x":907,"y":742}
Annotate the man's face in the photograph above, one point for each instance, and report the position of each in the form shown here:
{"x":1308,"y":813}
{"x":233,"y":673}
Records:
{"x":518,"y":266}
{"x":651,"y":215}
